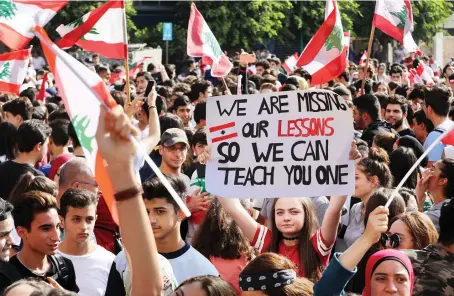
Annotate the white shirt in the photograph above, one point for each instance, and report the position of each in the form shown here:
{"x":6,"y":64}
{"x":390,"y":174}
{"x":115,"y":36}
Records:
{"x":188,"y":262}
{"x":92,"y":271}
{"x":145,"y":132}
{"x":38,"y":63}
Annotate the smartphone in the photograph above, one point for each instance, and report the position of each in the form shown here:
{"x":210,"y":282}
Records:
{"x":149,"y":88}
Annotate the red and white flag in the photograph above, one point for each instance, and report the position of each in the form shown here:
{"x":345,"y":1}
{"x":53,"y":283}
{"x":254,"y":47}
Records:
{"x":202,"y":43}
{"x":347,"y":44}
{"x":395,"y":18}
{"x":19,"y":17}
{"x":101,"y":30}
{"x":325,"y":55}
{"x":83,"y":106}
{"x":289,"y":64}
{"x":363,"y":58}
{"x":13,"y":68}
{"x":424,"y":73}
{"x":223,"y":132}
{"x":135,"y":66}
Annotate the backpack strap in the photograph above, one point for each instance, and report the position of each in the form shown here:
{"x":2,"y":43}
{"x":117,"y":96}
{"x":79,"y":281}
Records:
{"x":62,"y":269}
{"x":10,"y":272}
{"x":438,"y":130}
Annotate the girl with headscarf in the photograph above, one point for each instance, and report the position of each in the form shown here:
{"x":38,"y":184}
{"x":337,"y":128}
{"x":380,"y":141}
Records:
{"x":387,"y":271}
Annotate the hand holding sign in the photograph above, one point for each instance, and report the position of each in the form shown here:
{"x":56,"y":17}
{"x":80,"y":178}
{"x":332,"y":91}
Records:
{"x":280,"y":144}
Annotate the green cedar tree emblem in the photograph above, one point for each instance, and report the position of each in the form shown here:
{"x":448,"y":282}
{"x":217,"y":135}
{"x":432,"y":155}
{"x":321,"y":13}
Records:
{"x":76,"y":23}
{"x":209,"y":39}
{"x":401,"y":16}
{"x":7,"y":9}
{"x":80,"y":126}
{"x":5,"y":73}
{"x":335,"y":39}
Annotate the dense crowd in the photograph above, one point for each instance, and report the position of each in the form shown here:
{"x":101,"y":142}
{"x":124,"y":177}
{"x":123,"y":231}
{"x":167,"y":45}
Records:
{"x":58,"y":237}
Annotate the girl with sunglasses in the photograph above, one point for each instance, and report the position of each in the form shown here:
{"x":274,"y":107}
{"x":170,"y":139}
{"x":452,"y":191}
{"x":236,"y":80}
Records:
{"x":388,"y":272}
{"x":378,"y":199}
{"x":410,"y":231}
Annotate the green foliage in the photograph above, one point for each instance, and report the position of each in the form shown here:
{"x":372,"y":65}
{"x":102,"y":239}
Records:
{"x":428,"y":18}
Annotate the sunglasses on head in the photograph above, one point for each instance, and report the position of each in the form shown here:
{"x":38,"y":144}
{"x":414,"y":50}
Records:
{"x":394,"y":240}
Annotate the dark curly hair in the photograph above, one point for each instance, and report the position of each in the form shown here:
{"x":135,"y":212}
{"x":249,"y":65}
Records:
{"x":225,"y":240}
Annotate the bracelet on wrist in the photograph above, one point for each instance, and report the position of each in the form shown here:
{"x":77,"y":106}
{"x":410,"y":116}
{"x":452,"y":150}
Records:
{"x":128,"y":193}
{"x":151,"y":107}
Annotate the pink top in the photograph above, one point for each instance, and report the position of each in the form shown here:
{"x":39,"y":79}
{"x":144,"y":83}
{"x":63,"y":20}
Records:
{"x":230,"y":270}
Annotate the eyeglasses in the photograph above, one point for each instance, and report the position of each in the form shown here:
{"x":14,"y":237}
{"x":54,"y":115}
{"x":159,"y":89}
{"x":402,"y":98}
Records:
{"x":94,"y":184}
{"x":394,"y":240}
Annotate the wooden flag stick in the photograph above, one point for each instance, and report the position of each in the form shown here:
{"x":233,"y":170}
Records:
{"x":369,"y":47}
{"x":128,"y":88}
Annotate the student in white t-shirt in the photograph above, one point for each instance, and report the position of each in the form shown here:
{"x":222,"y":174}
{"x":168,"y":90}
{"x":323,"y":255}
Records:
{"x":91,"y":262}
{"x":166,"y":217}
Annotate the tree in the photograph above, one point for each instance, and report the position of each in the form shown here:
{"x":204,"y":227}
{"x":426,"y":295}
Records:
{"x":428,"y":19}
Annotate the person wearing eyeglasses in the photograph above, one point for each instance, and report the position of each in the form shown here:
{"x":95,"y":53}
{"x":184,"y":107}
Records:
{"x":410,"y":231}
{"x":76,"y":174}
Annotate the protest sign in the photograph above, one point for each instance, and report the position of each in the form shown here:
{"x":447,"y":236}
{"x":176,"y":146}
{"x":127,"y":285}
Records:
{"x":288,"y":144}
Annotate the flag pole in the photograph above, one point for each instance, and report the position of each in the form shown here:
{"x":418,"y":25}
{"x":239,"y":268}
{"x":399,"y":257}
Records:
{"x":369,"y":47}
{"x":54,"y":48}
{"x":128,"y":88}
{"x":226,"y":87}
{"x":410,"y":171}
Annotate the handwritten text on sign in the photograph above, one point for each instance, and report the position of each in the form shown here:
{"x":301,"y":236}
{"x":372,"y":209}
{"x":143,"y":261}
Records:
{"x":288,"y":144}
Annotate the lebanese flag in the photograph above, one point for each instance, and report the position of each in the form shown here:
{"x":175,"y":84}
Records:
{"x":135,"y":66}
{"x":19,"y":17}
{"x":13,"y":68}
{"x":363,"y":59}
{"x":222,"y":132}
{"x":82,"y":105}
{"x":101,"y":30}
{"x":202,"y":43}
{"x":325,"y":55}
{"x":290,"y":64}
{"x":395,"y":18}
{"x":424,"y":74}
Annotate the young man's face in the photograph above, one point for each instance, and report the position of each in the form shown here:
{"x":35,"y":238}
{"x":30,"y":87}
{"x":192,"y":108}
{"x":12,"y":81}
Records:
{"x":207,"y":94}
{"x":357,"y":117}
{"x":394,"y":115}
{"x":260,"y":70}
{"x":6,"y":240}
{"x":44,"y":234}
{"x":184,"y":113}
{"x":396,"y":77}
{"x":79,"y":223}
{"x":274,"y":65}
{"x":14,"y":120}
{"x":174,"y":155}
{"x":198,"y":148}
{"x":141,"y":84}
{"x":419,"y":129}
{"x":163,"y":218}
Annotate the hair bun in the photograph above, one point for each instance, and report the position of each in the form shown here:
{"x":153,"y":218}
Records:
{"x":378,"y":154}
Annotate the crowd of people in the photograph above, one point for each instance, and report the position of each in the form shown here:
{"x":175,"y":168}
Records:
{"x":58,"y":237}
